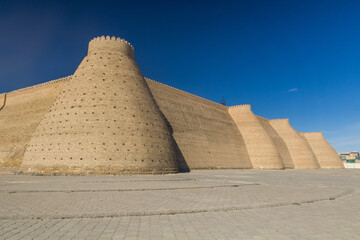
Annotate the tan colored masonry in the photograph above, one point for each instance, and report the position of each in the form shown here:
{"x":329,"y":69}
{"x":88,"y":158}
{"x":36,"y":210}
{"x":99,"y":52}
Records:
{"x":107,"y":118}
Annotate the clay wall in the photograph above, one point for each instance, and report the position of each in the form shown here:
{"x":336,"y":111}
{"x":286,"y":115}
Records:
{"x":19,"y":117}
{"x":278,"y":141}
{"x":301,"y":154}
{"x":105,"y":121}
{"x":108,"y":119}
{"x":261,"y":148}
{"x":205,"y":133}
{"x":324,"y":152}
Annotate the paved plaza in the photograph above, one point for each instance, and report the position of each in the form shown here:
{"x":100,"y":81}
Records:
{"x":217,"y":204}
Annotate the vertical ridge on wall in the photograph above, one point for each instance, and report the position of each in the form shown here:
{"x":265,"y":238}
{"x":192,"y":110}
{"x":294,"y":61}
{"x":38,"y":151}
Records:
{"x":301,"y":153}
{"x":324,"y":152}
{"x":2,"y":101}
{"x":203,"y":130}
{"x":278,"y":141}
{"x":261,"y":148}
{"x":104,"y":122}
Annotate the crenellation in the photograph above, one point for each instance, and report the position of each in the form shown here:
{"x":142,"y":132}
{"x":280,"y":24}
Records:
{"x":63,"y":79}
{"x":176,"y":89}
{"x":107,"y":118}
{"x":279,"y":120}
{"x":112,"y":45}
{"x":243,"y":107}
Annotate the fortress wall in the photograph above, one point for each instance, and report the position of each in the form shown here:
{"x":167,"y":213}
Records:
{"x":105,"y":121}
{"x":301,"y":154}
{"x":205,"y":134}
{"x":20,"y":116}
{"x":279,"y":142}
{"x":261,"y":148}
{"x":324,"y":152}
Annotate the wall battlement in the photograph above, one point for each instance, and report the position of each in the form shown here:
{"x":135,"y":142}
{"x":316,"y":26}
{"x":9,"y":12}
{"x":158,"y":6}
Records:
{"x":242,"y":107}
{"x":280,"y":120}
{"x":49,"y":83}
{"x":111,"y":45}
{"x":107,"y":118}
{"x":184,"y":92}
{"x":318,"y":134}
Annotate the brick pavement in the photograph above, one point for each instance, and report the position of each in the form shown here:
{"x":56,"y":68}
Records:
{"x":219,"y":204}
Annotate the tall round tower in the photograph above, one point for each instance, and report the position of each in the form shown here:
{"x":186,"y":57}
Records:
{"x":301,"y":154}
{"x":105,"y":121}
{"x":261,"y":148}
{"x":324,"y":152}
{"x":278,"y":141}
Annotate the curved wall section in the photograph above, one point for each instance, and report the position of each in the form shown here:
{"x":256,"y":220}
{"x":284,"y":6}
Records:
{"x":19,"y":117}
{"x":324,"y":152}
{"x":301,"y":153}
{"x":261,"y":148}
{"x":278,"y":141}
{"x":105,"y":121}
{"x":205,"y":134}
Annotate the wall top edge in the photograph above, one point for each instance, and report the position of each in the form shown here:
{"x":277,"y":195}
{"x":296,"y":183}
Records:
{"x":163,"y":84}
{"x":67,"y":78}
{"x":109,"y":39}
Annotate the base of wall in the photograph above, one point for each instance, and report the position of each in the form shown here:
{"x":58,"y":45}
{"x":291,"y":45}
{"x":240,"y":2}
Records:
{"x":269,"y":168}
{"x":10,"y":162}
{"x":333,"y":167}
{"x":98,"y":170}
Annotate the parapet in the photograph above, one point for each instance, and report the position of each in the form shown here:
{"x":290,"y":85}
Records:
{"x":279,"y":120}
{"x":312,"y":134}
{"x":242,"y":107}
{"x":63,"y":79}
{"x":111,"y":45}
{"x":184,"y":92}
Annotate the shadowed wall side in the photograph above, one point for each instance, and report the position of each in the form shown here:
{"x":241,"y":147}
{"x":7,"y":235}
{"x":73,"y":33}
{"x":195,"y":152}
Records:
{"x":204,"y":131}
{"x":301,"y":153}
{"x":279,"y":142}
{"x":105,"y":121}
{"x":324,"y":152}
{"x":20,"y":116}
{"x":261,"y":148}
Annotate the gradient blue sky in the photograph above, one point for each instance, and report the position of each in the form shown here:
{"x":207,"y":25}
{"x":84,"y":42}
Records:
{"x":288,"y":59}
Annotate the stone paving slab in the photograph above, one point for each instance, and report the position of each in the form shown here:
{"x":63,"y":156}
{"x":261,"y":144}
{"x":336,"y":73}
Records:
{"x":318,"y":204}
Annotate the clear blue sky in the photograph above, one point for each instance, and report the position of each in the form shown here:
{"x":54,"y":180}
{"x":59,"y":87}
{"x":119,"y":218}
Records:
{"x":288,"y":59}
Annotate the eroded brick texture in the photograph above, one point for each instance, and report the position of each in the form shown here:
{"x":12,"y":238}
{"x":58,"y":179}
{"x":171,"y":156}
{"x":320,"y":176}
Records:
{"x":262,"y":149}
{"x":324,"y":152}
{"x":107,"y":119}
{"x":300,"y":151}
{"x":104,"y":121}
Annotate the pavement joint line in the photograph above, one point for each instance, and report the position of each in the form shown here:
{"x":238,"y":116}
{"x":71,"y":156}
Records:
{"x":115,"y":181}
{"x":176,"y":212}
{"x":129,"y":190}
